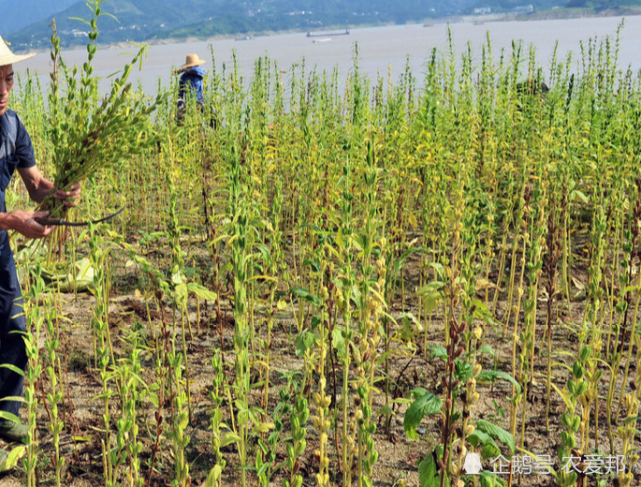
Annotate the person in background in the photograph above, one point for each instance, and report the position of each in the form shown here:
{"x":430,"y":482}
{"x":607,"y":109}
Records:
{"x":190,"y":84}
{"x":16,"y":152}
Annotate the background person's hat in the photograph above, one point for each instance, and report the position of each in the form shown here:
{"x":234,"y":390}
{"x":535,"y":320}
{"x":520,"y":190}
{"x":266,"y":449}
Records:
{"x":192,"y":60}
{"x":7,"y":57}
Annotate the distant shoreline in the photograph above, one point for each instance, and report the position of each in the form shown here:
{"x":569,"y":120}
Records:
{"x":576,"y":13}
{"x":383,"y":51}
{"x":557,"y":14}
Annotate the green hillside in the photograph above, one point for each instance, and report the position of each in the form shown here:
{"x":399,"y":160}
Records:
{"x":603,"y":4}
{"x":532,"y":6}
{"x":144,"y":20}
{"x":511,"y":5}
{"x":141,"y":20}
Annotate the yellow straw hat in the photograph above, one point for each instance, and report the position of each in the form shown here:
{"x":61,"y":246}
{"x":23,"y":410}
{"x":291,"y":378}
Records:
{"x":7,"y":57}
{"x":192,"y":60}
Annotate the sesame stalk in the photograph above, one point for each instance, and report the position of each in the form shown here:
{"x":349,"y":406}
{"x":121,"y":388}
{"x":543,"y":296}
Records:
{"x":89,"y":135}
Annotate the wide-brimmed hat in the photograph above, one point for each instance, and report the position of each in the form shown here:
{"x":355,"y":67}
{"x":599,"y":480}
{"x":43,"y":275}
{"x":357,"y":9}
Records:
{"x":7,"y":57}
{"x":192,"y":60}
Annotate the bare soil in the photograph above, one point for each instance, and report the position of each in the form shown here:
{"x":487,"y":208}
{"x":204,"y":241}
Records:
{"x":399,"y":458}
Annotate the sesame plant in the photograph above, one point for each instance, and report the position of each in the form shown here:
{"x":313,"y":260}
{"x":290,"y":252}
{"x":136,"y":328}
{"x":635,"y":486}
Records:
{"x":340,"y":272}
{"x":88,"y":134}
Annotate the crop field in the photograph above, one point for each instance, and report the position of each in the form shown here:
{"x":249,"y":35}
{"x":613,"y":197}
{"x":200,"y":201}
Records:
{"x":376,"y":282}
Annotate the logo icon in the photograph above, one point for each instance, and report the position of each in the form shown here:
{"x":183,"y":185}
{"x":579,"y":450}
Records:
{"x":472,"y":464}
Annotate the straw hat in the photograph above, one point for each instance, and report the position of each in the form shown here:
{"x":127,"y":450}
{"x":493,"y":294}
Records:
{"x":7,"y":57}
{"x":191,"y":61}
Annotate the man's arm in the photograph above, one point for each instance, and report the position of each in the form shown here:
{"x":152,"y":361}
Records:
{"x":23,"y":222}
{"x":39,"y":187}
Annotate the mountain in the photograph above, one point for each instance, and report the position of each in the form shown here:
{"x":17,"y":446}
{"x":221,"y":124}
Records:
{"x":515,"y":5}
{"x":18,"y":15}
{"x":530,"y":6}
{"x":603,"y":4}
{"x":143,"y":20}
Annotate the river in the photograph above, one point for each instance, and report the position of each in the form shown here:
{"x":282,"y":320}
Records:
{"x":381,"y":49}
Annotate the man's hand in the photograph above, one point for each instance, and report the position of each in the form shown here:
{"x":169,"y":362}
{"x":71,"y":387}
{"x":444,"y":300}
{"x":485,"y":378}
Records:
{"x":40,"y":187}
{"x":24,"y":223}
{"x":69,"y":197}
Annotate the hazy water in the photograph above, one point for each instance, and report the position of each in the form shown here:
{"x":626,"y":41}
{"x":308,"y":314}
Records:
{"x":380,"y":48}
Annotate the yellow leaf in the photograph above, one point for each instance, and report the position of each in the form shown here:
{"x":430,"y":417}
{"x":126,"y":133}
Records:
{"x":82,"y":439}
{"x":263,"y":428}
{"x":482,"y":284}
{"x":578,"y":284}
{"x":12,"y":459}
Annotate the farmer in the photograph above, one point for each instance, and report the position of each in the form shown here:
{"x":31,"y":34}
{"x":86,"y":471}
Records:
{"x":16,"y":152}
{"x":531,"y":87}
{"x":190,"y":84}
{"x":529,"y":91}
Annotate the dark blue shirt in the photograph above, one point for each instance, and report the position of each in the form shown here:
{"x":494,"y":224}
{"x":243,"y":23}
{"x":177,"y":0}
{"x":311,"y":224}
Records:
{"x":16,"y":151}
{"x":192,"y":80}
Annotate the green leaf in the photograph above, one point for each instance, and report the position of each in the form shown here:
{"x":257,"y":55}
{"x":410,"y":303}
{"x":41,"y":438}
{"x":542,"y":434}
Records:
{"x":440,"y":270}
{"x":489,"y":451}
{"x":580,"y":195}
{"x":462,"y":370}
{"x":489,"y":479}
{"x":201,"y":291}
{"x":9,"y":417}
{"x":431,"y":294}
{"x":214,"y":475}
{"x":400,"y":262}
{"x":438,"y":351}
{"x":154,"y":400}
{"x":492,"y":375}
{"x":427,"y":403}
{"x":263,"y":468}
{"x":14,"y":398}
{"x":486,"y":349}
{"x":305,"y":295}
{"x":497,"y":433}
{"x":265,"y":252}
{"x":13,"y":368}
{"x":479,"y":438}
{"x":481,"y":312}
{"x":430,"y":288}
{"x":410,"y":327}
{"x":228,"y":439}
{"x":384,"y":411}
{"x":418,"y":392}
{"x":338,"y":341}
{"x":428,"y":473}
{"x":303,"y":342}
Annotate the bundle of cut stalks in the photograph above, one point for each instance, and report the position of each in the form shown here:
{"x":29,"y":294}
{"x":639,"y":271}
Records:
{"x":88,"y":135}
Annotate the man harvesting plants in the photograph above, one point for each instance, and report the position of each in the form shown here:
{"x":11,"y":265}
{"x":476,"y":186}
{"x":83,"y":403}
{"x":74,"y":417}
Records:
{"x":192,"y":78}
{"x":16,"y":152}
{"x":190,"y":84}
